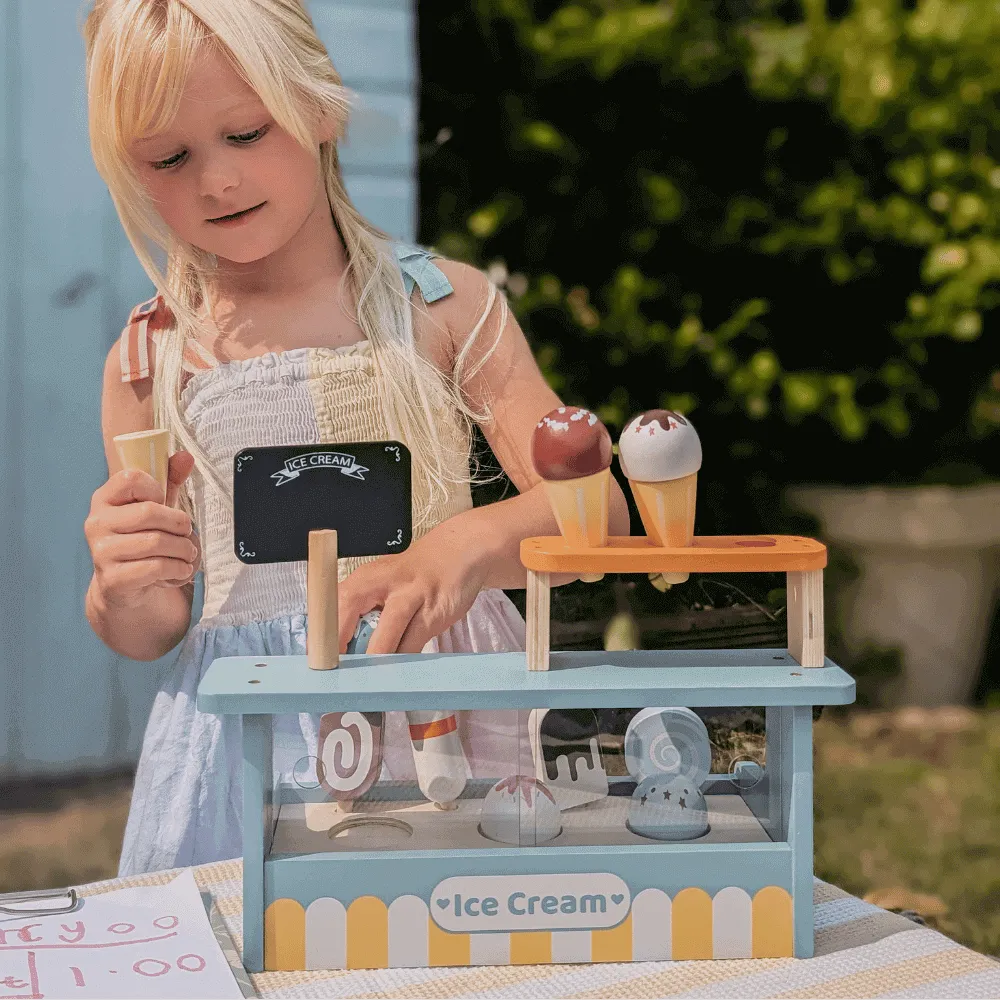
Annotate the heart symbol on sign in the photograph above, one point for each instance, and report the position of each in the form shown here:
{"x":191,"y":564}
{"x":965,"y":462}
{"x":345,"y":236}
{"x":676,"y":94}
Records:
{"x":442,"y":903}
{"x":617,"y":898}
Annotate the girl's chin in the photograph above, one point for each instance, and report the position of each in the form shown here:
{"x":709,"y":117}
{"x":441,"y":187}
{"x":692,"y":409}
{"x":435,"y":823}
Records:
{"x":248,"y":253}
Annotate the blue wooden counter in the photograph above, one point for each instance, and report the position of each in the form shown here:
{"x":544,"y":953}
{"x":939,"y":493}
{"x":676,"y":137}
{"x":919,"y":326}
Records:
{"x":247,"y":685}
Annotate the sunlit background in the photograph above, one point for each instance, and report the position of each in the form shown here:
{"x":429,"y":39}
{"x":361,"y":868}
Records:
{"x":782,"y":219}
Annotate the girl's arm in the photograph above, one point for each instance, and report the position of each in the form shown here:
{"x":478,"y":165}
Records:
{"x":513,"y":388}
{"x":127,"y":524}
{"x":429,"y":587}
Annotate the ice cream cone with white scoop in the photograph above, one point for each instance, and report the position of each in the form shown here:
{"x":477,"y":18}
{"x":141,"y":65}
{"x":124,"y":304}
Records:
{"x":660,"y":454}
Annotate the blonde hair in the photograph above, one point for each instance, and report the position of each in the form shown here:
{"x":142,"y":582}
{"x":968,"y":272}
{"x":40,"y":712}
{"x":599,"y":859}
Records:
{"x":139,"y":54}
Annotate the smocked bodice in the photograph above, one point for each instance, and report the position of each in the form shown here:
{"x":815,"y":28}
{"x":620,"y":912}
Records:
{"x":300,"y":397}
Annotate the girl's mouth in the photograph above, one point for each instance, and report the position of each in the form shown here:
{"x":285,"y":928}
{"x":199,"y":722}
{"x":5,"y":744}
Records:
{"x":236,"y":217}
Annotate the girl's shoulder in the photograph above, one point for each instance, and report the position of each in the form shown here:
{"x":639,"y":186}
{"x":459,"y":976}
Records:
{"x":141,"y":336}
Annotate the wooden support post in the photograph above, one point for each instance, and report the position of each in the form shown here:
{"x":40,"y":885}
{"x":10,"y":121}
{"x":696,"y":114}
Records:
{"x":322,"y":630}
{"x":259,"y":816}
{"x":805,"y":617}
{"x":537,"y":608}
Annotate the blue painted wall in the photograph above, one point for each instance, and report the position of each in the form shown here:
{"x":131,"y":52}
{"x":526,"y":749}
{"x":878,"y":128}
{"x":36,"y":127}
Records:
{"x":68,"y":279}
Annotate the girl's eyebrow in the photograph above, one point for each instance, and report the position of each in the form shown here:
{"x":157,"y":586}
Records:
{"x":245,"y":104}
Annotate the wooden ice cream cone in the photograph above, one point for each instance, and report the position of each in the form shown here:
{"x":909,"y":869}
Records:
{"x":667,"y":511}
{"x":581,"y":507}
{"x":145,"y":450}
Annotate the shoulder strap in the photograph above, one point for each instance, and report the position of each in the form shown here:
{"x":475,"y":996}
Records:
{"x":134,"y":342}
{"x":147,"y":321}
{"x":415,"y":263}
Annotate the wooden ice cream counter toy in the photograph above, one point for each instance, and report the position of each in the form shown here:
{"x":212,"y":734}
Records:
{"x":580,"y":866}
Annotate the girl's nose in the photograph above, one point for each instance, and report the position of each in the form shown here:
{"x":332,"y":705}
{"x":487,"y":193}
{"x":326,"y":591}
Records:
{"x":218,"y":178}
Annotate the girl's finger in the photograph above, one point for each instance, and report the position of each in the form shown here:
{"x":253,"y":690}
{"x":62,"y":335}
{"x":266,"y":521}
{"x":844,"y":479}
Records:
{"x":138,"y":574}
{"x":178,"y":469}
{"x":354,"y":599}
{"x":396,"y":616}
{"x":415,"y":637}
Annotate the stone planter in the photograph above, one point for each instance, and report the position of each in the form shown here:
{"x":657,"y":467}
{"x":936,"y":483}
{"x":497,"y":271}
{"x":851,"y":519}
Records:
{"x":929,"y":578}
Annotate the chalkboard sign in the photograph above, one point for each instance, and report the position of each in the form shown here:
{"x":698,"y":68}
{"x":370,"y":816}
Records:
{"x":280,"y":494}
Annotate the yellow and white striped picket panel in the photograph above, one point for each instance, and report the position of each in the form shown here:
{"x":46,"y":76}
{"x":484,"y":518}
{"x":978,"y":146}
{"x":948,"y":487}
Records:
{"x":651,"y":914}
{"x":370,"y":935}
{"x":408,"y":933}
{"x":732,"y":924}
{"x":326,"y":934}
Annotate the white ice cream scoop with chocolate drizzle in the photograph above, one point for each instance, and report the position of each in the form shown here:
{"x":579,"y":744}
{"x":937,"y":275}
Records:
{"x":659,"y":445}
{"x":660,"y":454}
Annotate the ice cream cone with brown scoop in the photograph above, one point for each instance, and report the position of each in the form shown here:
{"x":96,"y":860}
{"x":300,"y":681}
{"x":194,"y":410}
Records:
{"x":571,"y":450}
{"x":660,"y":454}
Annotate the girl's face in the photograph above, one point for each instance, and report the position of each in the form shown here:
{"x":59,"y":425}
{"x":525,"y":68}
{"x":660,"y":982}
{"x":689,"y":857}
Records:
{"x":224,"y":176}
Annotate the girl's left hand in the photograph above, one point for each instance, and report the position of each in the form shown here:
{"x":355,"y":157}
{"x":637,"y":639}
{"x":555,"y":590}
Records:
{"x":422,"y":592}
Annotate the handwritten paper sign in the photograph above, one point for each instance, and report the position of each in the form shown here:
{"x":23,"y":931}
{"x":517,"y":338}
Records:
{"x":152,"y":942}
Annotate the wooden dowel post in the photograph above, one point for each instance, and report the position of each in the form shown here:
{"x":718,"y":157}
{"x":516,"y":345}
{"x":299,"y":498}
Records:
{"x":537,"y":606}
{"x":805,"y":617}
{"x":322,"y":630}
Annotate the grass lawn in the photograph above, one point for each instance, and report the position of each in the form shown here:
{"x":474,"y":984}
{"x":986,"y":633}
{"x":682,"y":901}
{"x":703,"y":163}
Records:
{"x":907,"y":815}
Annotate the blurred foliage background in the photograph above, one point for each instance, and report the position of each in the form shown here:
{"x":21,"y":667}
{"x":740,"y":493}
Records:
{"x":779,"y":217}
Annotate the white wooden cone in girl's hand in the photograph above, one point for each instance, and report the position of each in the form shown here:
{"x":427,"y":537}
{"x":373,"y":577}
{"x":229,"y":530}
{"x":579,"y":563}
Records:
{"x":146,"y":451}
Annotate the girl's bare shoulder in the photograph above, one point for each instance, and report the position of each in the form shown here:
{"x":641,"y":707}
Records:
{"x":452,"y":317}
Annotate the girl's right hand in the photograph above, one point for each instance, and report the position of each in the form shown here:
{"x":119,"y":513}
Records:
{"x":138,"y":539}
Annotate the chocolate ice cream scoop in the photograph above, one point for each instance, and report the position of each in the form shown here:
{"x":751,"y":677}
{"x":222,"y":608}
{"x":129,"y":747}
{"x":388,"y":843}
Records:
{"x":569,"y":443}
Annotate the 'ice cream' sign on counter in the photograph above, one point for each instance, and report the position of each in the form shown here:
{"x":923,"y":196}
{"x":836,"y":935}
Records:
{"x":592,"y":901}
{"x":294,"y":467}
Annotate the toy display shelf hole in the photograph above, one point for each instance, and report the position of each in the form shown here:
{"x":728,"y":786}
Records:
{"x":663,"y":839}
{"x":372,"y":832}
{"x":773,"y":658}
{"x":260,"y":664}
{"x":254,"y":681}
{"x":795,"y":674}
{"x":528,"y":837}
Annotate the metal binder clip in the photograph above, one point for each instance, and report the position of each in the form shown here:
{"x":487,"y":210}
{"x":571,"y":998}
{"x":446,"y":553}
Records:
{"x":69,"y":895}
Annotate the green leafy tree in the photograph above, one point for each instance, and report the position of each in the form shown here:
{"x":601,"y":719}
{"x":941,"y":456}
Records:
{"x":782,"y":218}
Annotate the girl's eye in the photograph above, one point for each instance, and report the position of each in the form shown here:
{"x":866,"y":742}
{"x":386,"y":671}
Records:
{"x":171,"y":162}
{"x":241,"y":138}
{"x":248,"y":137}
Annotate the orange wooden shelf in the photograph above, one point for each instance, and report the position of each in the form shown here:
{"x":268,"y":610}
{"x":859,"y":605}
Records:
{"x":707,"y":554}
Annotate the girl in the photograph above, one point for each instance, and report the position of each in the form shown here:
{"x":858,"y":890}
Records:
{"x":282,"y":317}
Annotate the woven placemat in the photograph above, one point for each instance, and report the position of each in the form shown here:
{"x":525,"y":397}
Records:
{"x":861,"y":951}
